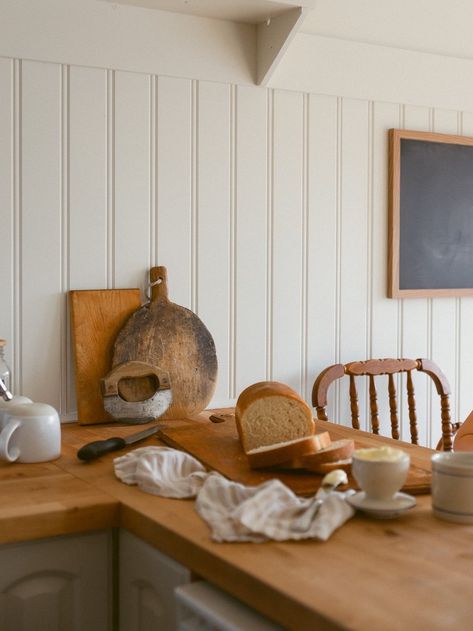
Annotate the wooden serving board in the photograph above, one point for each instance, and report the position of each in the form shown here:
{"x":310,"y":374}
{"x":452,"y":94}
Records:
{"x":97,"y":315}
{"x":174,"y":339}
{"x":217,"y":446}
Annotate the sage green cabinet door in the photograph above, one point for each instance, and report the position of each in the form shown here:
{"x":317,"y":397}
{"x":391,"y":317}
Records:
{"x":60,"y":584}
{"x":147,"y":581}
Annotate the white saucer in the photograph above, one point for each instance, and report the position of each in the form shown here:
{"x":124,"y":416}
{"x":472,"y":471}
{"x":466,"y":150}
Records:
{"x":382,"y":509}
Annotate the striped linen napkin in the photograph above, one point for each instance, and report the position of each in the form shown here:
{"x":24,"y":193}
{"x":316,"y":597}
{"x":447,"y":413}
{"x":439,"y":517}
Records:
{"x":233,"y":511}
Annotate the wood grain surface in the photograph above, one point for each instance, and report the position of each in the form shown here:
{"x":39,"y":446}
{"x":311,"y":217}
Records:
{"x":218,"y":447}
{"x":413,"y":572}
{"x":96,"y":318}
{"x":174,"y":339}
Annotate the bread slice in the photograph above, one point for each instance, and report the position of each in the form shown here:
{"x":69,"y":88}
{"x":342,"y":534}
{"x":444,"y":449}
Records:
{"x":338,"y":450}
{"x":326,"y":467}
{"x":271,"y":455}
{"x":269,"y":413}
{"x":320,"y":441}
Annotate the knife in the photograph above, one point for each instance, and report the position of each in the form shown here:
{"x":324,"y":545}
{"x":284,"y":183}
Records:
{"x":100,"y":447}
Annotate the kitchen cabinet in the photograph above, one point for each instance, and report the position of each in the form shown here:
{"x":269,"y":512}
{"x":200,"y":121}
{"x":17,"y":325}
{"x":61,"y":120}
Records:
{"x":147,"y":580}
{"x":203,"y":607}
{"x":59,"y":584}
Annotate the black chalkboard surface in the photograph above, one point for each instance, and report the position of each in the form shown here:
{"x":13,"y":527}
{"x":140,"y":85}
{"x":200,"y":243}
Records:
{"x":430,"y":215}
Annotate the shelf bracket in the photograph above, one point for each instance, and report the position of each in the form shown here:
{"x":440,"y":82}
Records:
{"x":273,"y":38}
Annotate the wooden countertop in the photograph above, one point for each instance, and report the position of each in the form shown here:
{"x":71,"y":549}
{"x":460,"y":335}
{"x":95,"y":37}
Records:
{"x":413,"y":571}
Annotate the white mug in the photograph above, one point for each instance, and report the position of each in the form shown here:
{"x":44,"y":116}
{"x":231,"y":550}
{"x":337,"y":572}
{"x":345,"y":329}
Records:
{"x":31,"y":433}
{"x":380,"y":471}
{"x":6,"y":406}
{"x":452,"y":486}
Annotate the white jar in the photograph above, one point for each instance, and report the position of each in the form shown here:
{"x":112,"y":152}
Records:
{"x":452,"y":486}
{"x":6,"y":406}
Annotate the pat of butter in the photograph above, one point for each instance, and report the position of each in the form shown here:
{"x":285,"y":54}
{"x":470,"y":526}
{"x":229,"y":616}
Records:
{"x":379,"y":454}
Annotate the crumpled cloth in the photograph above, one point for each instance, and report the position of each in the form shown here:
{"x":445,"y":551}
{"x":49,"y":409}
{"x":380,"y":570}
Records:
{"x":161,"y":471}
{"x":233,"y":511}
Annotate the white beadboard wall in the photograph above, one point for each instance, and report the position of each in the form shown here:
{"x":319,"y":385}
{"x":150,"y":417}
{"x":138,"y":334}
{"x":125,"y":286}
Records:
{"x":268,"y":207}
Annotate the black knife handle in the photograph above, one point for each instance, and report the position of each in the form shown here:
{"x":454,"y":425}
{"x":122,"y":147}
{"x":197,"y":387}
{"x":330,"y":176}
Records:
{"x":99,"y":448}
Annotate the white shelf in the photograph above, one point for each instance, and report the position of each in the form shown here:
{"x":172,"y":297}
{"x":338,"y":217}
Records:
{"x":249,"y":11}
{"x":276,"y":22}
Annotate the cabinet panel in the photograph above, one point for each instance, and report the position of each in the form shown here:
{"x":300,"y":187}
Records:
{"x":59,"y":584}
{"x":147,"y":582}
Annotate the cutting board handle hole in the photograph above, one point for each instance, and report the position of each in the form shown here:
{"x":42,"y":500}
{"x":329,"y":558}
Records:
{"x":138,"y":388}
{"x":150,"y":286}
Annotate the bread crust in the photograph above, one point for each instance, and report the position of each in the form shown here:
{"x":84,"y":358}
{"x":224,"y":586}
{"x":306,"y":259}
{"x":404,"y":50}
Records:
{"x":264,"y":389}
{"x":276,"y":454}
{"x":321,"y":441}
{"x":326,"y":467}
{"x":338,"y":450}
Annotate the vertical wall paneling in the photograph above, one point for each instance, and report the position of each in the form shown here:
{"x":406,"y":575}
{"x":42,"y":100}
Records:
{"x":251,"y":245}
{"x":87,"y":178}
{"x":268,"y":208}
{"x":132,"y":179}
{"x":41,"y":231}
{"x":444,"y":315}
{"x":16,"y":147}
{"x":67,"y":387}
{"x":110,"y":182}
{"x":385,"y":322}
{"x":269,"y":236}
{"x":464,"y":323}
{"x":322,"y":235}
{"x":153,"y":154}
{"x":194,"y":192}
{"x":174,"y":185}
{"x":288,"y":210}
{"x":87,"y":256}
{"x":7,"y":206}
{"x":213,"y":217}
{"x":232,"y":246}
{"x":305,"y":249}
{"x":354,"y":230}
{"x":416,"y":314}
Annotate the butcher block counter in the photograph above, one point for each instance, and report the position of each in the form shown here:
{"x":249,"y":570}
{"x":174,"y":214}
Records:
{"x":414,"y":571}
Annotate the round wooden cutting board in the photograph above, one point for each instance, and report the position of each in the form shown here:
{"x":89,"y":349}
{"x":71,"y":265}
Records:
{"x":174,"y":339}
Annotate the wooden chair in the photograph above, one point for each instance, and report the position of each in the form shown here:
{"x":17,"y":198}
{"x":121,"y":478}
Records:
{"x":389,"y":367}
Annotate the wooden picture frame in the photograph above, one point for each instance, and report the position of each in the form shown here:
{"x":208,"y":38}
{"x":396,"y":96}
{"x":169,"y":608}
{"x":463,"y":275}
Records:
{"x":430,"y":221}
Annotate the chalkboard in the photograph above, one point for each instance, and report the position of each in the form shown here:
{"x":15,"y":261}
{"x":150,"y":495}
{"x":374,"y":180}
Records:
{"x":430,"y":214}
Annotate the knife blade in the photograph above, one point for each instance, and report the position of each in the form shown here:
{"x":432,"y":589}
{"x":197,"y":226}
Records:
{"x":98,"y":448}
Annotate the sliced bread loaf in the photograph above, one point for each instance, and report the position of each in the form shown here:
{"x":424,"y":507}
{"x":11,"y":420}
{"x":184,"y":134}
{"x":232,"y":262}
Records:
{"x":270,"y":413}
{"x":272,"y":455}
{"x":338,"y":451}
{"x":319,"y":441}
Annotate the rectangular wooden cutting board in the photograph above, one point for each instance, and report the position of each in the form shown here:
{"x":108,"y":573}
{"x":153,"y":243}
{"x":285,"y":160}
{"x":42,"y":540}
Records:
{"x":217,"y":446}
{"x":97,"y":315}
